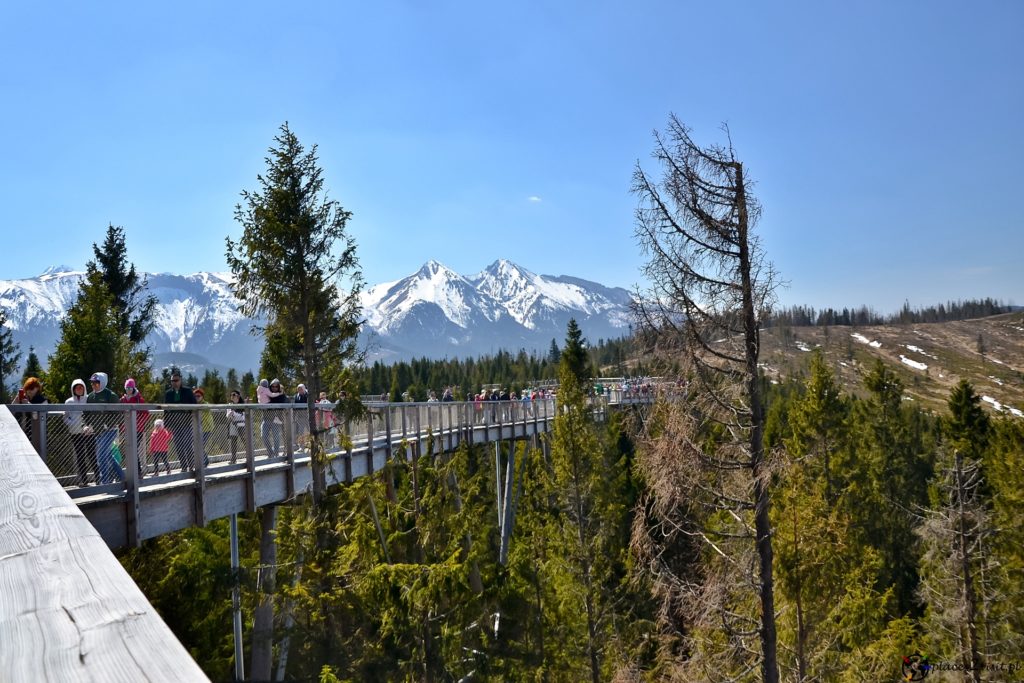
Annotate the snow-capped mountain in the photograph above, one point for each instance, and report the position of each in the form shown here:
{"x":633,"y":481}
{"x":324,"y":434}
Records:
{"x":434,"y":312}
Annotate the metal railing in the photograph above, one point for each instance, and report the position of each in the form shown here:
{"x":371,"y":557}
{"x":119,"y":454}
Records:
{"x":95,"y":449}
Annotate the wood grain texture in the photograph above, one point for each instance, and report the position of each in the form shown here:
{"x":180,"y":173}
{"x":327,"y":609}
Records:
{"x":68,"y":610}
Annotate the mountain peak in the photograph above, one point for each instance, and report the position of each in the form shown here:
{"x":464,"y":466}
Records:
{"x":55,"y":270}
{"x":504,"y":267}
{"x":433,"y":267}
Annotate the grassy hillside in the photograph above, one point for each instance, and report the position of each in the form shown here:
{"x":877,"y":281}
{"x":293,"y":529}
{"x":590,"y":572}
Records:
{"x":928,"y":357}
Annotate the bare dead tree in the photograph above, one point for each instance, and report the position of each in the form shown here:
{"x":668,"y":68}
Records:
{"x":956,"y":564}
{"x":705,"y":462}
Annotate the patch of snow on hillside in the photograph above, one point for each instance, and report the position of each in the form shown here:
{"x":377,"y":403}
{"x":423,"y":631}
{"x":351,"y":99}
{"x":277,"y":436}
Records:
{"x":1015,"y":412}
{"x":802,"y":346}
{"x":864,"y":340}
{"x":995,"y":360}
{"x":918,"y":349}
{"x":996,"y":380}
{"x":994,"y":403}
{"x":913,"y":363}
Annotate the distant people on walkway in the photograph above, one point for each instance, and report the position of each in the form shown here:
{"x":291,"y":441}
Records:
{"x":179,"y":422}
{"x":236,"y":423}
{"x":159,"y":444}
{"x":105,"y":425}
{"x":83,"y":440}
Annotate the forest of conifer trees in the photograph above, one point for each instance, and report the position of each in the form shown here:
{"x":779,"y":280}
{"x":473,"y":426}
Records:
{"x":883,"y":516}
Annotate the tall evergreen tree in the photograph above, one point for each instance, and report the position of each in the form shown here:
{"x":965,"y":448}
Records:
{"x":290,"y":263}
{"x":574,"y":357}
{"x":33,"y":368}
{"x":10,"y":356}
{"x":92,"y":339}
{"x":554,"y":353}
{"x":135,"y":308}
{"x":293,"y":255}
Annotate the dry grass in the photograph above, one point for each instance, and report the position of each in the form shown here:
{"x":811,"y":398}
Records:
{"x":950,"y":351}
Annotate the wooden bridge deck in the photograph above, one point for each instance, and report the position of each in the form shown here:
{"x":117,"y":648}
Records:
{"x":168,"y":504}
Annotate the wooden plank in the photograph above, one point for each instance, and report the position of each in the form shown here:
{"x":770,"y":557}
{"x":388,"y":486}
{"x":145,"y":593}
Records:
{"x":68,"y":609}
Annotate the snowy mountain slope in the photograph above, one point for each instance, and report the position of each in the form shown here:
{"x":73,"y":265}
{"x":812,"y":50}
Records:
{"x":433,"y":312}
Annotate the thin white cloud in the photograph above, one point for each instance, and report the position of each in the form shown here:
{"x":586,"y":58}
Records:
{"x":534,"y":199}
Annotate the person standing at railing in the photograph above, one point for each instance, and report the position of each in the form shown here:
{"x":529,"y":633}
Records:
{"x":83,"y":441}
{"x":159,"y":444}
{"x":132,"y":395}
{"x":236,"y":423}
{"x":301,"y":415}
{"x":105,"y":425}
{"x":270,"y":426}
{"x":179,"y":422}
{"x":325,"y":420}
{"x":31,"y":393}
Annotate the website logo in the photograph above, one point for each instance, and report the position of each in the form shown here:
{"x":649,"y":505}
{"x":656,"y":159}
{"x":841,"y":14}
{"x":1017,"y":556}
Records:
{"x":915,"y":667}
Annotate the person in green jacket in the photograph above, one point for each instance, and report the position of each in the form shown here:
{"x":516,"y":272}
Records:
{"x":104,"y":426}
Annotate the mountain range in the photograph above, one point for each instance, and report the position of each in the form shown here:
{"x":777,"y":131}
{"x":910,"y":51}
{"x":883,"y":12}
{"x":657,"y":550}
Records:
{"x":434,"y":312}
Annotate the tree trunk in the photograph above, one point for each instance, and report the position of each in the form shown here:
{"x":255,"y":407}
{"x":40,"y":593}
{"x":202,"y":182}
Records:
{"x":263,"y":618}
{"x":970,"y":599}
{"x":762,"y":520}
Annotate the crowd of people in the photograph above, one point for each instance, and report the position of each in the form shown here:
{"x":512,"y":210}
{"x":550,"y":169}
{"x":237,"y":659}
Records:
{"x":98,"y":438}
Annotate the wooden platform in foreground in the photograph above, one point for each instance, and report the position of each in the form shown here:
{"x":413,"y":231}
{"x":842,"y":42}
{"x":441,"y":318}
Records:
{"x":68,"y":610}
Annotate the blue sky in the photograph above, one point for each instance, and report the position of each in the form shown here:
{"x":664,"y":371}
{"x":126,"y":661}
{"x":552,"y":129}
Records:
{"x":885,"y":138}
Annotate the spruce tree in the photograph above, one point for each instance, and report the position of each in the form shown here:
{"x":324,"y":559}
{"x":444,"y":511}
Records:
{"x":32,"y":366}
{"x":293,"y":255}
{"x":554,"y":353}
{"x":291,"y":262}
{"x":135,"y":308}
{"x":574,"y":356}
{"x":93,"y":340}
{"x":10,"y":356}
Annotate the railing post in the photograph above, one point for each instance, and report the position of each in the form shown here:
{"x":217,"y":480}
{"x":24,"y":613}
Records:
{"x":289,"y":449}
{"x":40,"y":432}
{"x":131,"y":478}
{"x":369,"y":442}
{"x":408,"y":447}
{"x":430,"y":430}
{"x":387,"y":429}
{"x":199,"y":463}
{"x":348,"y":451}
{"x":250,"y":464}
{"x":419,"y":434}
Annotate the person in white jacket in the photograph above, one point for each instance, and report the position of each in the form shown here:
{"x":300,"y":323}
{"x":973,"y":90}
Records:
{"x":82,"y":438}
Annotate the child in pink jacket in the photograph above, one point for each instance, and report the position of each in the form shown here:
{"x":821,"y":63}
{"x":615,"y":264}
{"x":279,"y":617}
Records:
{"x":159,"y":443}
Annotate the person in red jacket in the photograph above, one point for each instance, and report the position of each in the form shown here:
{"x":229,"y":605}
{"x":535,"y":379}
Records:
{"x":159,"y":443}
{"x":132,"y":395}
